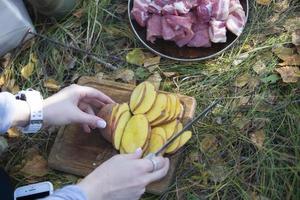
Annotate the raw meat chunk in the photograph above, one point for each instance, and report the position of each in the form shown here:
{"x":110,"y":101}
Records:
{"x":217,"y":31}
{"x":154,"y":28}
{"x":220,"y":9}
{"x":201,"y":36}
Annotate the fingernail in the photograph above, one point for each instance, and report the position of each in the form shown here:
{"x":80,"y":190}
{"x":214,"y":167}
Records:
{"x":101,"y":124}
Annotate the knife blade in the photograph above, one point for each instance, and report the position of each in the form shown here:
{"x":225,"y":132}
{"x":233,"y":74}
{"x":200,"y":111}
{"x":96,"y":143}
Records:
{"x":185,"y":128}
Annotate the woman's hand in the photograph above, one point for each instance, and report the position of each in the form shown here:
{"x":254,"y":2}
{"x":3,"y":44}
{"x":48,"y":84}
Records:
{"x":74,"y":105}
{"x":123,"y":177}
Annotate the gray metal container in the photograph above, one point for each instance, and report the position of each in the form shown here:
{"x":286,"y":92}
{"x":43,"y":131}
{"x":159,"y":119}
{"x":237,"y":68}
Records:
{"x":54,"y":8}
{"x":14,"y":24}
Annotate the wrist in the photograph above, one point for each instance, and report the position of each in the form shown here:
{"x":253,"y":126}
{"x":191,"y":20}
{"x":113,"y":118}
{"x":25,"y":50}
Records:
{"x":21,"y":116}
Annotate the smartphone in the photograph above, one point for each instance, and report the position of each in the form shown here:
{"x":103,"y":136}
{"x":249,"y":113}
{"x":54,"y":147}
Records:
{"x":33,"y":191}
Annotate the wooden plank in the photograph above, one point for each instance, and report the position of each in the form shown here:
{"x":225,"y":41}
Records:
{"x":79,"y":153}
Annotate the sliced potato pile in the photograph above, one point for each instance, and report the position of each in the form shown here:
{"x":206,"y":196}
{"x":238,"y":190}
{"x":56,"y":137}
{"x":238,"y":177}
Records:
{"x":149,"y":120}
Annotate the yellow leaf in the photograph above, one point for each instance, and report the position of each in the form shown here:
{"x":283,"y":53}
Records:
{"x":2,"y":80}
{"x":263,"y":2}
{"x":13,"y":132}
{"x":27,"y":70}
{"x":209,"y":143}
{"x":289,"y":74}
{"x":136,"y":57}
{"x":155,"y":79}
{"x":51,"y":84}
{"x":152,"y":61}
{"x":258,"y":138}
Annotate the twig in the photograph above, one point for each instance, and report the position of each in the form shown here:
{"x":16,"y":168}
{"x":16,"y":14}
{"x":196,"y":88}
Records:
{"x":91,"y":55}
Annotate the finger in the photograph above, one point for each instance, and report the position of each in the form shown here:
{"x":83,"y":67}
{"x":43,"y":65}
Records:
{"x":88,"y":109}
{"x":159,"y":174}
{"x":88,"y":92}
{"x":148,"y":165}
{"x":91,"y":120}
{"x":94,"y":102}
{"x":86,"y":128}
{"x":136,"y":155}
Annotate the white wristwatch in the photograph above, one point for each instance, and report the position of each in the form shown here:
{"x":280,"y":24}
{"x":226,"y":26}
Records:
{"x":35,"y":101}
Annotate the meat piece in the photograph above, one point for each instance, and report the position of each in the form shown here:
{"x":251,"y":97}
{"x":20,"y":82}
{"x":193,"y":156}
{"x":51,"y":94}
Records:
{"x":162,"y":3}
{"x":237,"y":18}
{"x":204,"y":11}
{"x":220,"y":9}
{"x":167,"y":32}
{"x":169,"y":9}
{"x":154,"y":28}
{"x":176,"y":22}
{"x":140,"y":11}
{"x":185,"y":38}
{"x":217,"y":31}
{"x":183,"y":7}
{"x":154,"y":8}
{"x":201,"y":36}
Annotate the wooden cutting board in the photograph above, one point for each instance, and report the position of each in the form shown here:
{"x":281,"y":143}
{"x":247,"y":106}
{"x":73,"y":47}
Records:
{"x":80,"y":153}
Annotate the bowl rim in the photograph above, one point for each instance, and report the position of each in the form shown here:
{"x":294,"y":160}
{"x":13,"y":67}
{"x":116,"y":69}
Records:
{"x":184,"y":59}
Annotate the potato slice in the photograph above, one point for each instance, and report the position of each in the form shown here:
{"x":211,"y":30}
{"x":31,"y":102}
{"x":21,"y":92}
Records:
{"x":119,"y":128}
{"x":173,"y":147}
{"x":170,"y":128}
{"x":158,"y":108}
{"x":137,"y":96}
{"x":165,"y":116}
{"x":184,"y":138}
{"x":178,"y":108}
{"x":173,"y":101}
{"x":106,"y":114}
{"x":147,"y":101}
{"x":156,"y":142}
{"x":181,"y":115}
{"x":124,"y":107}
{"x":136,"y":133}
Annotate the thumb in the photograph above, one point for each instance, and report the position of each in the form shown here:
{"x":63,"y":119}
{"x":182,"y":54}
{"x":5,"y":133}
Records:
{"x":136,"y":155}
{"x":91,"y":120}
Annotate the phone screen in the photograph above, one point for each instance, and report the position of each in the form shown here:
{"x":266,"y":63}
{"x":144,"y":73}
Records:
{"x":34,"y":196}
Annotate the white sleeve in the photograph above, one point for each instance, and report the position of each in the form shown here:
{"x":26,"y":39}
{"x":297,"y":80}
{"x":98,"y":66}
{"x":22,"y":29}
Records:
{"x":7,"y":104}
{"x":72,"y":192}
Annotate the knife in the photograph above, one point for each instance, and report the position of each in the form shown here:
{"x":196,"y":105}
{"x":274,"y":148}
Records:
{"x":185,"y":128}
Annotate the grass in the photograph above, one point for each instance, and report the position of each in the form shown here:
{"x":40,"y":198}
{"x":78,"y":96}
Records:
{"x":221,"y":161}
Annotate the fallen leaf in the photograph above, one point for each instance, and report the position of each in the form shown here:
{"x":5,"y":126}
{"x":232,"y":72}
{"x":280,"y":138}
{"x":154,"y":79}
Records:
{"x":292,"y":24}
{"x":241,"y":122}
{"x":291,"y":60}
{"x":126,"y":76}
{"x":27,"y":70}
{"x":3,"y":145}
{"x":5,"y":77}
{"x":209,"y":143}
{"x":273,"y":78}
{"x":136,"y":57}
{"x":241,"y":58}
{"x":51,"y":84}
{"x":260,"y":67}
{"x":13,"y":132}
{"x":153,"y":68}
{"x":263,"y":2}
{"x":78,"y":13}
{"x":155,"y":79}
{"x":15,"y":89}
{"x":35,"y":166}
{"x":258,"y":138}
{"x":289,"y":74}
{"x":244,"y":100}
{"x":242,"y":80}
{"x":169,"y":74}
{"x":283,"y":52}
{"x":151,"y":61}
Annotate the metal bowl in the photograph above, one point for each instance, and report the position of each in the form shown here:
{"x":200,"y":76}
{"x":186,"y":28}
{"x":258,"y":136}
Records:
{"x":169,"y":49}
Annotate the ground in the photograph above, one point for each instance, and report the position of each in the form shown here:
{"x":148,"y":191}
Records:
{"x":248,"y":148}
